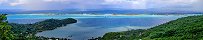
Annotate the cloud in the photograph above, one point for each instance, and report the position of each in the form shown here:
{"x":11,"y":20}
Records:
{"x":170,"y":3}
{"x":79,"y":4}
{"x":38,"y":4}
{"x":184,"y":5}
{"x":127,"y":4}
{"x":192,"y":5}
{"x":3,"y":1}
{"x":54,"y":4}
{"x":17,"y":2}
{"x":56,"y":0}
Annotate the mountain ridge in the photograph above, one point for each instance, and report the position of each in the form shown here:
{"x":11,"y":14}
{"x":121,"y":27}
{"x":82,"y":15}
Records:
{"x":140,"y":11}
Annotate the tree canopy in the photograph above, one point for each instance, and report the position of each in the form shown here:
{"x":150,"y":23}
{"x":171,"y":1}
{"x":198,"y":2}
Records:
{"x":5,"y":29}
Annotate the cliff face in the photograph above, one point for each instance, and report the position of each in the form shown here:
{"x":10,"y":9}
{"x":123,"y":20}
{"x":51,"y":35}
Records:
{"x":183,"y":28}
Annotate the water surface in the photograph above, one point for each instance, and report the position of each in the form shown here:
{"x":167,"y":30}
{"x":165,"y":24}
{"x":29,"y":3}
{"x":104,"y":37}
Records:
{"x":93,"y":25}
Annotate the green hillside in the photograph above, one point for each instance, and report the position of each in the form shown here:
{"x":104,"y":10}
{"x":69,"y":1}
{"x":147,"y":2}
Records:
{"x":28,"y":31}
{"x":5,"y":29}
{"x":190,"y":28}
{"x":14,"y":31}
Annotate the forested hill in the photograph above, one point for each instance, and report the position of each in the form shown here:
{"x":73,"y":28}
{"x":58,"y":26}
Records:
{"x":48,"y":24}
{"x":51,"y":24}
{"x":28,"y":31}
{"x":190,"y":28}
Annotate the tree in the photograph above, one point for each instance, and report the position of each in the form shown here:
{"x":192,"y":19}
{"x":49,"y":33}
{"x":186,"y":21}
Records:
{"x":5,"y":29}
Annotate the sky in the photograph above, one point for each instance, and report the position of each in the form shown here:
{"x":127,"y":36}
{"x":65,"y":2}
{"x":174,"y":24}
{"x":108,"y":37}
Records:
{"x":185,"y":5}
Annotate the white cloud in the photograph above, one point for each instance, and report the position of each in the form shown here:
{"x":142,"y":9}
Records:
{"x":80,"y":4}
{"x":127,"y":4}
{"x":56,"y":0}
{"x":170,"y":3}
{"x":48,"y":0}
{"x":196,"y":5}
{"x":18,"y":2}
{"x":185,"y":5}
{"x":3,"y":1}
{"x":39,"y":4}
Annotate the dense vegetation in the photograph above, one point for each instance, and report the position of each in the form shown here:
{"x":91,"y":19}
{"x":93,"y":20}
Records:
{"x":51,"y":24}
{"x":27,"y":31}
{"x":190,"y":28}
{"x":5,"y":29}
{"x":13,"y":31}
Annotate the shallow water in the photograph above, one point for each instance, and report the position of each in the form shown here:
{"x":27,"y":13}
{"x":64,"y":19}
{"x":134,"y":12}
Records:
{"x":89,"y":26}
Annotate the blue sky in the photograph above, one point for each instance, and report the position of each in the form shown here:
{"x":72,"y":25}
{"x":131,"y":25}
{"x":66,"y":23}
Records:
{"x":185,"y":5}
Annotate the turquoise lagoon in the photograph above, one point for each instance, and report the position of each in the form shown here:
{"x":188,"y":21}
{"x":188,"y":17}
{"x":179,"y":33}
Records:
{"x":90,"y":25}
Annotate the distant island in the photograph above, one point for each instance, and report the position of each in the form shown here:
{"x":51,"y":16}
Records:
{"x":190,"y":28}
{"x":28,"y":31}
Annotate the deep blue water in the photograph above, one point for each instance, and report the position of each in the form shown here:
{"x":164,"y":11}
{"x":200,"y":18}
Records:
{"x":93,"y":25}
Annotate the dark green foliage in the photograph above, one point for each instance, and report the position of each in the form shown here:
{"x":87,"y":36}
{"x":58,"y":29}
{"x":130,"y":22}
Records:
{"x":28,"y":31}
{"x":51,"y":24}
{"x":23,"y":31}
{"x":5,"y":29}
{"x":190,"y":28}
{"x":130,"y":35}
{"x":183,"y":28}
